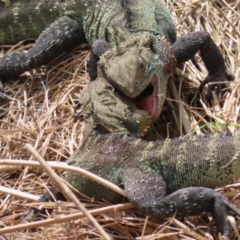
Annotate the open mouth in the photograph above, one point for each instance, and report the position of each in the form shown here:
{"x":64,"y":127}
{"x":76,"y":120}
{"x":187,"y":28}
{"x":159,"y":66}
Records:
{"x":148,"y":99}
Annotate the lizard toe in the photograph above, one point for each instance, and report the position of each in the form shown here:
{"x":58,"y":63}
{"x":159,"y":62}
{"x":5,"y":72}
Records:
{"x":217,"y":82}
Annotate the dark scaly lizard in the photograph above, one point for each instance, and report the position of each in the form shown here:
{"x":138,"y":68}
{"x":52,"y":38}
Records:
{"x":161,"y":178}
{"x":136,"y":31}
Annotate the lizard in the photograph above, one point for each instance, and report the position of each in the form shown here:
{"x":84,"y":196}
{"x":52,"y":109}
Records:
{"x":133,"y":43}
{"x":104,"y":110}
{"x":142,"y":48}
{"x":162,"y":178}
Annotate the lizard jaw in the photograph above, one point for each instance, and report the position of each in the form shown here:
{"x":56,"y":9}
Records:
{"x":148,"y":99}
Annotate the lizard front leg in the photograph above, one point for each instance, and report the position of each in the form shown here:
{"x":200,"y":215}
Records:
{"x":61,"y":36}
{"x":51,"y":195}
{"x":99,"y":47}
{"x":187,"y":46}
{"x":147,"y":190}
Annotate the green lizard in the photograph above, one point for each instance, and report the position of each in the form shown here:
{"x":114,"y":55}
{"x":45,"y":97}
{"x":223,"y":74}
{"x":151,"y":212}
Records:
{"x":141,"y":35}
{"x":104,"y":110}
{"x":161,"y":178}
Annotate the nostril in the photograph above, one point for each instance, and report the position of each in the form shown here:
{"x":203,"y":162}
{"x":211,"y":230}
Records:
{"x":110,"y":87}
{"x":141,"y":63}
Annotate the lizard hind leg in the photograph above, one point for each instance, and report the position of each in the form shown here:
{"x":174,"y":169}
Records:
{"x":147,"y":190}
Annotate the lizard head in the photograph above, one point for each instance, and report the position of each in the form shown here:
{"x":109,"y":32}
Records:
{"x":108,"y":111}
{"x":140,"y":67}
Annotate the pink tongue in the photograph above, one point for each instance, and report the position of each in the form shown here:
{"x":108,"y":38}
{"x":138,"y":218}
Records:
{"x":145,"y":104}
{"x":148,"y":104}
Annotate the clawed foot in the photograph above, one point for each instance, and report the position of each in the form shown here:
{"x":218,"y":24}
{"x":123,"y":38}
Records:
{"x":217,"y":81}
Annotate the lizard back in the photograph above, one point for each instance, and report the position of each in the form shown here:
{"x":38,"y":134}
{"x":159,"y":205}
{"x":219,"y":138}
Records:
{"x":207,"y":161}
{"x":28,"y":18}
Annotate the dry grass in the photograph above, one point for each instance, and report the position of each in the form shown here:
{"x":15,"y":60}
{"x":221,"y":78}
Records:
{"x":41,"y":113}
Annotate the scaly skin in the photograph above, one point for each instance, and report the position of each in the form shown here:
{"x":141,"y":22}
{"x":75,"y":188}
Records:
{"x":162,"y":178}
{"x":128,"y":67}
{"x":107,"y":111}
{"x":29,"y":18}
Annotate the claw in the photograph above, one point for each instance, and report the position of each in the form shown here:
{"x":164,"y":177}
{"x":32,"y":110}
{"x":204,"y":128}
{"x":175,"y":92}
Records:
{"x":30,"y":216}
{"x":230,"y":76}
{"x":78,"y":116}
{"x":218,"y":84}
{"x":78,"y":112}
{"x":204,"y":82}
{"x":3,"y":97}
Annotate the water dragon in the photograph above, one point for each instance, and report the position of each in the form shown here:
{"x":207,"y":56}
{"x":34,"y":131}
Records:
{"x":142,"y":46}
{"x":161,"y":178}
{"x":141,"y":53}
